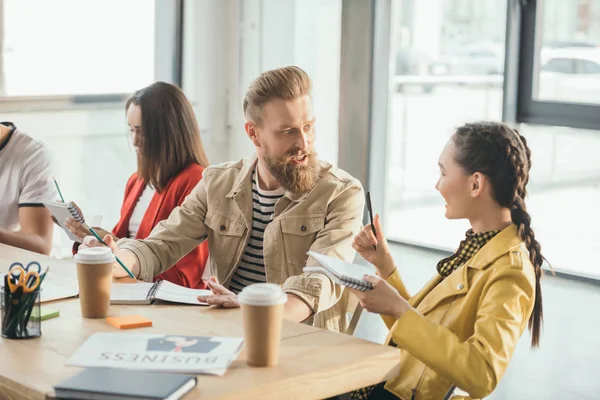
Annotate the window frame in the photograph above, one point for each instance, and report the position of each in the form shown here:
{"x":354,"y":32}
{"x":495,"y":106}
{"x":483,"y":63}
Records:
{"x":519,"y":104}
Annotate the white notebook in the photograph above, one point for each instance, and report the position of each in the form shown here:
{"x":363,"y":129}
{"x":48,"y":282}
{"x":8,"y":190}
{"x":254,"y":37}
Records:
{"x":341,"y":272}
{"x":146,"y":293}
{"x":61,"y":212}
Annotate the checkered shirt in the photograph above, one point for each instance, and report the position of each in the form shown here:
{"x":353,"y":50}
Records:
{"x":467,"y":249}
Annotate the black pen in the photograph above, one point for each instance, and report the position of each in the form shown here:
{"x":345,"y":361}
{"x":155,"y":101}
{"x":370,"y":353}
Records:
{"x":370,"y":212}
{"x":6,"y":302}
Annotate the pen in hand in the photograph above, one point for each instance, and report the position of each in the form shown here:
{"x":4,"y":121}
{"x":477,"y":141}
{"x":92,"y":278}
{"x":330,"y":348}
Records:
{"x":93,"y":232}
{"x":370,"y":212}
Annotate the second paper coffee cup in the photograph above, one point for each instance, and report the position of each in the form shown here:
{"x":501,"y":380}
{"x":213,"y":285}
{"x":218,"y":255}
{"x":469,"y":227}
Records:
{"x":94,"y":274}
{"x":262,"y":315}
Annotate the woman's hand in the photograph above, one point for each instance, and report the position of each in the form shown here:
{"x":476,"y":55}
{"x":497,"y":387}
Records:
{"x":375,"y":249}
{"x":77,"y":228}
{"x":382,"y":299}
{"x":80,"y":229}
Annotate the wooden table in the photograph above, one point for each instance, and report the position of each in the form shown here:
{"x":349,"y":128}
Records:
{"x":314,"y":363}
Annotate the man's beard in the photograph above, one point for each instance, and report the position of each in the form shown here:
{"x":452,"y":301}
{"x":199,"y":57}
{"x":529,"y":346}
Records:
{"x":298,"y":179}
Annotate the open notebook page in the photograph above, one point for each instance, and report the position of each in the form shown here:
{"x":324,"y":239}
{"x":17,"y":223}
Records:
{"x":168,"y":291}
{"x":130,"y":293}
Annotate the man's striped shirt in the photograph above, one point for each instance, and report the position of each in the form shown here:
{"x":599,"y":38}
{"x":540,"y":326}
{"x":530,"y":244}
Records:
{"x":251,"y":268}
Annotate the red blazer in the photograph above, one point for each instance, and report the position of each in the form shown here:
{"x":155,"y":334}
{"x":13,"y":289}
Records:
{"x":188,"y":271}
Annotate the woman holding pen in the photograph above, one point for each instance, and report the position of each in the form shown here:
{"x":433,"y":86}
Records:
{"x":170,"y":161}
{"x":459,"y":332}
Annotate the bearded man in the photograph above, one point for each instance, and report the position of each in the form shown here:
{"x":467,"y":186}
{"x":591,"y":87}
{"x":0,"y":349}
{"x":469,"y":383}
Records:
{"x":262,"y":215}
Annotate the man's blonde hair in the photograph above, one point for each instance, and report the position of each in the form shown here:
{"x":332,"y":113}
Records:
{"x":287,"y":83}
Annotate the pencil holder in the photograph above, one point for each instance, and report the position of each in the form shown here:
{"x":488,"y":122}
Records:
{"x":17,"y":309}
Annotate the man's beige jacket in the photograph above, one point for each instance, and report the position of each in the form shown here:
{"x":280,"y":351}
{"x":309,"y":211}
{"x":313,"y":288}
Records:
{"x":324,"y":220}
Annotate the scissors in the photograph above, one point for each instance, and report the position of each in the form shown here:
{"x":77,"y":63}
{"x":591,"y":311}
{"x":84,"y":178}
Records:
{"x":28,"y":278}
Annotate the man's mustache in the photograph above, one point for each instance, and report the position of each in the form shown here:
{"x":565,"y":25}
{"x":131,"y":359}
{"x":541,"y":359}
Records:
{"x":298,"y":153}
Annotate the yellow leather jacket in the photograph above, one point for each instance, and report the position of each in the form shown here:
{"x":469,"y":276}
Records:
{"x":463,"y":330}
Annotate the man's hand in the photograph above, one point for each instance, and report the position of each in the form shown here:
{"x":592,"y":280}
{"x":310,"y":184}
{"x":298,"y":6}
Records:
{"x":125,"y":256}
{"x":91,"y":241}
{"x":222,"y":296}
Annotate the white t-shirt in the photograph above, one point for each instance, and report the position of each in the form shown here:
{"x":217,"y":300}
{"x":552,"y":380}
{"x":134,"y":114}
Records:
{"x":25,"y":177}
{"x":140,"y":210}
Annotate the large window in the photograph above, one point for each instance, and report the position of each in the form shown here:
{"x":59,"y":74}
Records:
{"x":563,"y":60}
{"x":449,"y":61}
{"x":76,"y":47}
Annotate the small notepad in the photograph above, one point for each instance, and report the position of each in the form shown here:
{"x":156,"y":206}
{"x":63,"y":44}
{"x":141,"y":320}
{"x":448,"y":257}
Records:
{"x":129,"y":321}
{"x":62,"y":211}
{"x":341,"y":272}
{"x":147,"y":293}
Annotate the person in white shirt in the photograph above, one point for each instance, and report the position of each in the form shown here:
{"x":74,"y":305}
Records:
{"x":25,"y":181}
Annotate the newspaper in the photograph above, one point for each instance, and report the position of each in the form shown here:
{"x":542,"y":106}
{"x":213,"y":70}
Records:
{"x":159,"y":353}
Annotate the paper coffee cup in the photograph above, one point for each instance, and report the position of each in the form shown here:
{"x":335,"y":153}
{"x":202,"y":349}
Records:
{"x":262,"y":315}
{"x":94,"y":274}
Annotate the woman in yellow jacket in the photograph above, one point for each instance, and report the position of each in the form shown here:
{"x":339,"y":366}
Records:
{"x":460,"y":331}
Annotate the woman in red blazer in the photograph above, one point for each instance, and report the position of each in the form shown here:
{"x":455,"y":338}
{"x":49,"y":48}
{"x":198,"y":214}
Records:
{"x":171,"y":159}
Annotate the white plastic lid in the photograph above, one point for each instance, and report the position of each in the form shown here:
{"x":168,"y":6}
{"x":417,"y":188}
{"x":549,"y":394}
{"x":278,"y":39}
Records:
{"x":95,"y":255}
{"x":262,"y":294}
